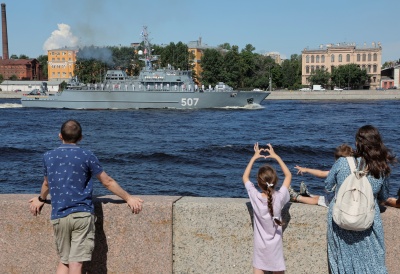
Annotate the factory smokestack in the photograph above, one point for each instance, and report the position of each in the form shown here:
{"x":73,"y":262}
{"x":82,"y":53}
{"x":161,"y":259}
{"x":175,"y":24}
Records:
{"x":4,"y":31}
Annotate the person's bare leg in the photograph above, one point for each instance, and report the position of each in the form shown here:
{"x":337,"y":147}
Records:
{"x":257,"y":271}
{"x":308,"y":200}
{"x":62,"y":268}
{"x":75,"y":267}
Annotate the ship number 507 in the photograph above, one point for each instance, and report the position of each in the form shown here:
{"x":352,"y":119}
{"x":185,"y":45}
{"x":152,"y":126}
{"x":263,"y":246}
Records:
{"x":189,"y":102}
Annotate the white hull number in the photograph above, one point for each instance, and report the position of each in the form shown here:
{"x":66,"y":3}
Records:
{"x":189,"y":102}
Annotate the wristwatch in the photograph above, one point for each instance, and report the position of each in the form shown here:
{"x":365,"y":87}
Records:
{"x":41,"y":200}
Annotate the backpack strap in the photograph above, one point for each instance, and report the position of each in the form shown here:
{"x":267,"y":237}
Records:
{"x":352,"y":163}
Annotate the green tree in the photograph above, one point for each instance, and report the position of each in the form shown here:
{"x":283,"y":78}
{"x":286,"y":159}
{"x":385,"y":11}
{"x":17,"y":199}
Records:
{"x":212,"y":63}
{"x":350,"y":75}
{"x":320,"y":77}
{"x":13,"y":56}
{"x":232,"y":68}
{"x":13,"y":77}
{"x":43,"y":59}
{"x":225,"y":46}
{"x":123,"y":58}
{"x":23,"y":56}
{"x":291,"y":72}
{"x":264,"y":69}
{"x":248,"y":70}
{"x":177,"y":55}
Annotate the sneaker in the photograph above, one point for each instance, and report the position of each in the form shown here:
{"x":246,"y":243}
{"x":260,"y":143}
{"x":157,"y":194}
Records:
{"x":293,"y":194}
{"x":304,"y":190}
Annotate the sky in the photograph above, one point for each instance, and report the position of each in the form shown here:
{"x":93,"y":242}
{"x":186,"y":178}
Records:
{"x":286,"y":27}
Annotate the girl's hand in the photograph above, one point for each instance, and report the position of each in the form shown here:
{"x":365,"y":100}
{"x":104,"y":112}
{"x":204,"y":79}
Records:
{"x":257,"y":151}
{"x":271,"y":152}
{"x":301,"y":170}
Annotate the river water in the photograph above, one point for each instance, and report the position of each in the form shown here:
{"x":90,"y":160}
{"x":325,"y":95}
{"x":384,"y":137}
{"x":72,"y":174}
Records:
{"x":191,"y":152}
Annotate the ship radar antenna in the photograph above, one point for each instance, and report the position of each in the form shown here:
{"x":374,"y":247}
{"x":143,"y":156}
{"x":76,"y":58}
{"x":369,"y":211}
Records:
{"x":148,"y":57}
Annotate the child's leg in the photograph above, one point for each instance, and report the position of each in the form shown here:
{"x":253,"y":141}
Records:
{"x":308,"y":200}
{"x":259,"y":271}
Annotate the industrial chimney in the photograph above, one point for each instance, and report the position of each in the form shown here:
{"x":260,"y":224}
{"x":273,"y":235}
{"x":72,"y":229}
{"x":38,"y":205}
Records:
{"x":4,"y":31}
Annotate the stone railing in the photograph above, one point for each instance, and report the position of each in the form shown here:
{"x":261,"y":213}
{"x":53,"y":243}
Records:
{"x":173,"y":235}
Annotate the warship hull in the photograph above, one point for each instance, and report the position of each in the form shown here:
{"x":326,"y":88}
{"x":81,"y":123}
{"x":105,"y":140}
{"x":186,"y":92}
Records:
{"x":103,"y":99}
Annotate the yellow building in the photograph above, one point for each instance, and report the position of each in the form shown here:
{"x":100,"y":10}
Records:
{"x":326,"y":57}
{"x":197,"y":50}
{"x":61,"y":63}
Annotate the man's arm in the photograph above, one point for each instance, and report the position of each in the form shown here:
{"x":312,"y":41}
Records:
{"x":133,"y":202}
{"x":36,"y":205}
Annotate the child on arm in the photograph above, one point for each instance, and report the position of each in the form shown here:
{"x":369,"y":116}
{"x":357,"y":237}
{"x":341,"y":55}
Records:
{"x":267,"y":206}
{"x":304,"y":196}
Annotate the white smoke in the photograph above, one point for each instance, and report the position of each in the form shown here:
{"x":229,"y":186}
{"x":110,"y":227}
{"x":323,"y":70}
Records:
{"x":60,"y":38}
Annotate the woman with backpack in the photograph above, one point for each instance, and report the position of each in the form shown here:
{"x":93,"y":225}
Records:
{"x":360,"y":251}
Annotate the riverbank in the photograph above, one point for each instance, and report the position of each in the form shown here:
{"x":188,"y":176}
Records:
{"x":335,"y":95}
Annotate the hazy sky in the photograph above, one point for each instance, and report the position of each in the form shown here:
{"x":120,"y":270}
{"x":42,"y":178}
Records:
{"x":281,"y":26}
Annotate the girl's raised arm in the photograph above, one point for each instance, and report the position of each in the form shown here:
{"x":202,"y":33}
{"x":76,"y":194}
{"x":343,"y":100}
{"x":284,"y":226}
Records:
{"x":285,"y":170}
{"x":257,"y":151}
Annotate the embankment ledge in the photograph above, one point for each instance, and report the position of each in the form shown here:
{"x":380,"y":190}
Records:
{"x":173,"y":235}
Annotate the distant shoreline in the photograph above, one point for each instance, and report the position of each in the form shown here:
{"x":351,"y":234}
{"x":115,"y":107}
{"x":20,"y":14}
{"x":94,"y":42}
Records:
{"x":297,"y":95}
{"x":335,"y":95}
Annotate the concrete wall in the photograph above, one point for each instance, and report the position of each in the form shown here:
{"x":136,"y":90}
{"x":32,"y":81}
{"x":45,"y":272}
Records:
{"x":335,"y":95}
{"x":173,"y":235}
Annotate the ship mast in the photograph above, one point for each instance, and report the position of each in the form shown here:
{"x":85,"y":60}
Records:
{"x":148,"y":58}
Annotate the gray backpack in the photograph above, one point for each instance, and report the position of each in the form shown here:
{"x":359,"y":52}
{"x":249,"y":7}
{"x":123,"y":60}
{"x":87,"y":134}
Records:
{"x":354,"y":207}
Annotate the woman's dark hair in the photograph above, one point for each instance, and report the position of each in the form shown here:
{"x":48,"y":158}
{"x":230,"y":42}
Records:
{"x":370,"y":147}
{"x":71,"y":131}
{"x":267,"y":175}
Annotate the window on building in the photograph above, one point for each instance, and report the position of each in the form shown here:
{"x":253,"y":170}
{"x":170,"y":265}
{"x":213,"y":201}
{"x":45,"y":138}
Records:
{"x":312,"y":58}
{"x":375,"y":57}
{"x":369,"y":57}
{"x":358,"y":57}
{"x":340,"y":58}
{"x":348,"y":58}
{"x":374,"y":68}
{"x":323,"y":59}
{"x":332,"y":58}
{"x":369,"y":68}
{"x":317,"y":68}
{"x":317,"y":59}
{"x":312,"y":69}
{"x":323,"y":67}
{"x":307,"y":59}
{"x":374,"y":79}
{"x":307,"y":69}
{"x":364,"y":57}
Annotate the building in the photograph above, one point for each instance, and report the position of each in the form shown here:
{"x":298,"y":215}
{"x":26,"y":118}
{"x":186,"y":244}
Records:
{"x":21,"y":69}
{"x":61,"y":63}
{"x":332,"y":55}
{"x":275,"y":56}
{"x":197,"y":50}
{"x":18,"y":69}
{"x":391,"y":77}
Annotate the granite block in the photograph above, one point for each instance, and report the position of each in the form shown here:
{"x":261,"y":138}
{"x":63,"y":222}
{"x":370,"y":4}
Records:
{"x":125,"y":242}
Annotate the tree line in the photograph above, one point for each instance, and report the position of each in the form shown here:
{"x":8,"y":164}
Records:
{"x":242,"y":69}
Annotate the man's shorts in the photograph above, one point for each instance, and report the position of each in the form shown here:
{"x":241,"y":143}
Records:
{"x":74,"y":235}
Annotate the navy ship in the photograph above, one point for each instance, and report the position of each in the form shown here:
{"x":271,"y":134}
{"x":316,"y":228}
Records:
{"x":153,"y":89}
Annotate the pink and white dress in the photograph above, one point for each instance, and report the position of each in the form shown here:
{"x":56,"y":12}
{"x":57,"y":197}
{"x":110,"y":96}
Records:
{"x":268,"y":245}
